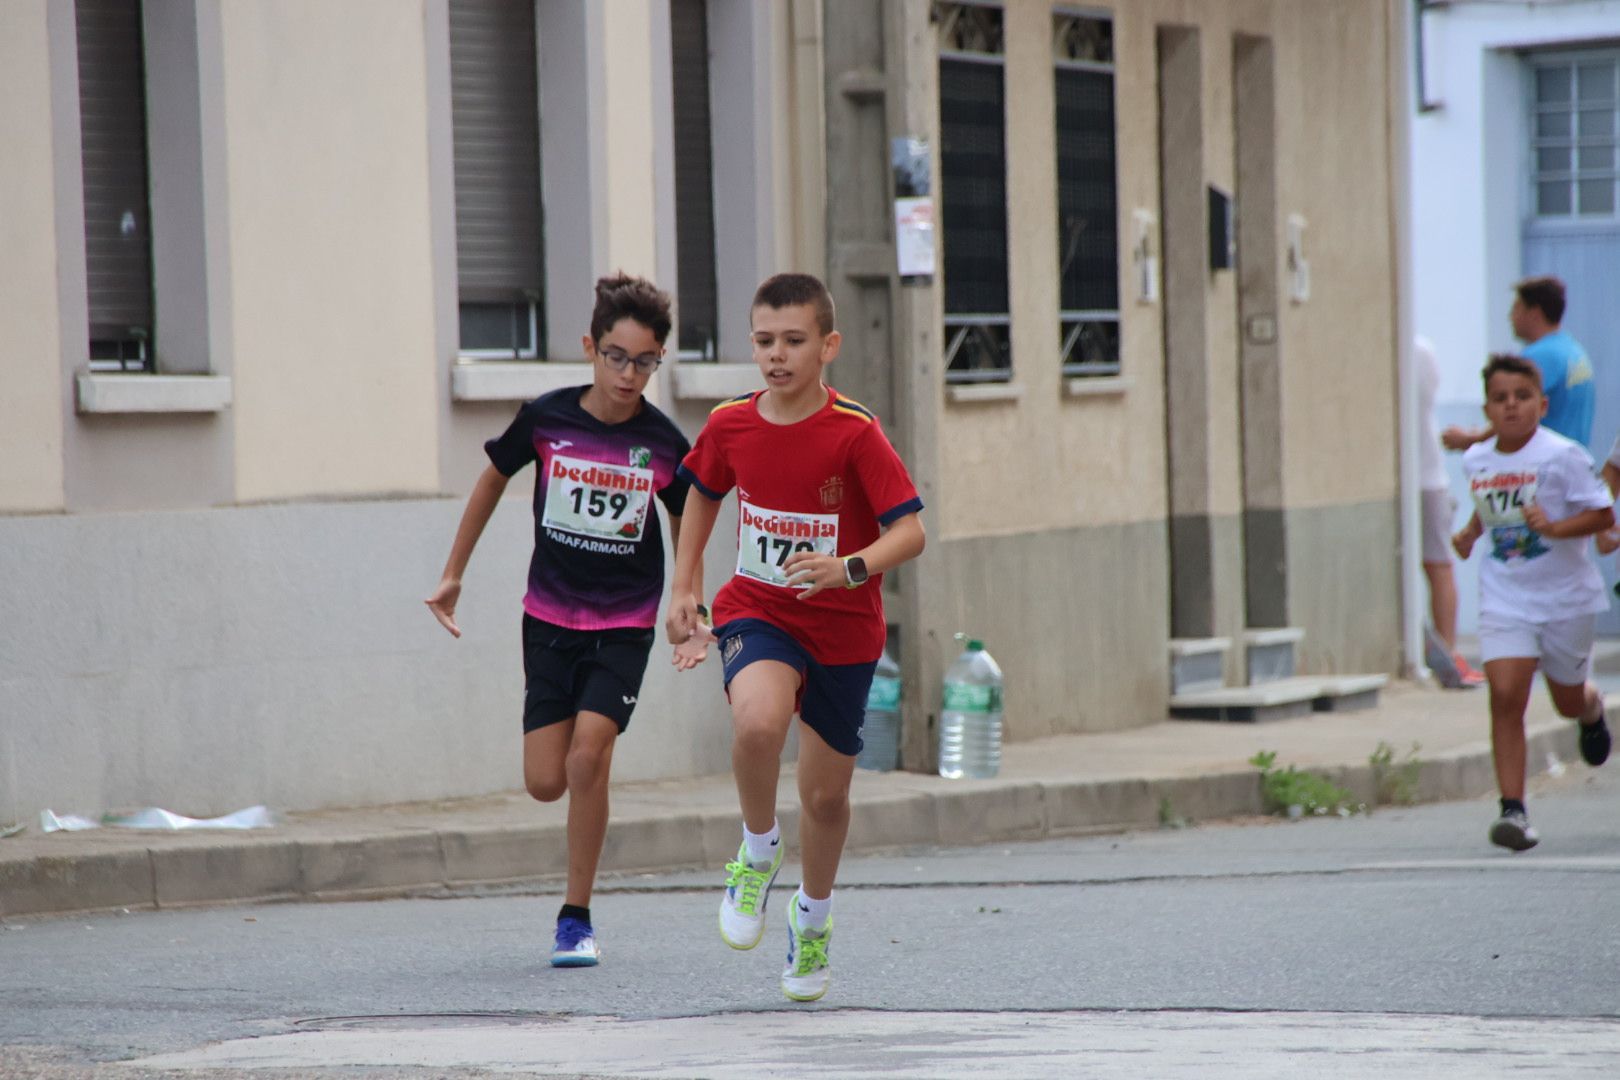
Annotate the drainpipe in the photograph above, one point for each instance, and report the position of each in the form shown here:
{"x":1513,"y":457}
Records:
{"x":1414,"y":590}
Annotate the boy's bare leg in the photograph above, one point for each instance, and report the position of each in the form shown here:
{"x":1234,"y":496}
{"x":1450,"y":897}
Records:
{"x":824,"y":779}
{"x":1509,"y":680}
{"x":1443,"y":601}
{"x":575,"y":756}
{"x":1577,"y":702}
{"x":762,"y":697}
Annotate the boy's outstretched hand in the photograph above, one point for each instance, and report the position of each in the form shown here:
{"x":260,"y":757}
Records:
{"x":695,"y":649}
{"x":443,"y":604}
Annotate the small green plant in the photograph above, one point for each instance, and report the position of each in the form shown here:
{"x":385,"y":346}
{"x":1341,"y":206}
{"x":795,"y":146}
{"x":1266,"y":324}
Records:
{"x":1298,"y":794}
{"x":1395,"y":781}
{"x":1168,"y":818}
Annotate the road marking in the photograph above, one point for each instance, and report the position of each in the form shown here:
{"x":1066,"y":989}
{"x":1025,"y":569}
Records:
{"x":814,"y":1044}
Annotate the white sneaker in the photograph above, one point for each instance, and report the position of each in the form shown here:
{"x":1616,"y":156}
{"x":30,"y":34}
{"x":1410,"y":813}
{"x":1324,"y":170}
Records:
{"x":742,"y":905}
{"x":1513,"y":831}
{"x":808,"y":970}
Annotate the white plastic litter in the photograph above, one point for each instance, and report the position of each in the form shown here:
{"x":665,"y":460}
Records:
{"x":11,"y":830}
{"x":49,"y":821}
{"x":254,"y":817}
{"x":1554,"y":766}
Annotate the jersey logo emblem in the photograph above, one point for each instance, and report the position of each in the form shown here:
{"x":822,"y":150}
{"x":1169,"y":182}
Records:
{"x":832,"y":493}
{"x":629,"y":700}
{"x":640,"y":457}
{"x":562,"y":444}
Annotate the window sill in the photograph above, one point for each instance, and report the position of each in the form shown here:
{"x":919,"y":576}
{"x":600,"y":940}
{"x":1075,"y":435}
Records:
{"x":112,"y":393}
{"x":1097,"y":385}
{"x":513,"y":380}
{"x":702,"y":380}
{"x":981,"y":392}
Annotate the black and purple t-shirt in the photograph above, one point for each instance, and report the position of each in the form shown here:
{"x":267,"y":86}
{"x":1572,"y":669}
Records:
{"x":598,"y":549}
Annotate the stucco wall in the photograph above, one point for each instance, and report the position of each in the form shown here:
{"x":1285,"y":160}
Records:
{"x":282,"y":655}
{"x":330,"y":242}
{"x":30,"y":334}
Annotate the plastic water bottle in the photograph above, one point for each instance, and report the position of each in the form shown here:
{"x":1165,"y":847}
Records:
{"x":970,"y":725}
{"x":881,"y":734}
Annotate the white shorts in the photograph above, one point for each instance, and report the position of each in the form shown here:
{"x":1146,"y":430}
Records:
{"x":1564,"y":647}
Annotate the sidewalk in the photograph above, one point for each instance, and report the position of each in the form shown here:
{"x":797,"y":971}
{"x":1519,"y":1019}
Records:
{"x":1049,"y":787}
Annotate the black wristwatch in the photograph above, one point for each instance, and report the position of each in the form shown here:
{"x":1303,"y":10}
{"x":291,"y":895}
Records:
{"x":855,"y":574}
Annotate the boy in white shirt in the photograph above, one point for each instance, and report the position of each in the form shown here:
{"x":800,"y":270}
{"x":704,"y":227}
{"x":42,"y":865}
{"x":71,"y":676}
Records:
{"x":1538,"y":496}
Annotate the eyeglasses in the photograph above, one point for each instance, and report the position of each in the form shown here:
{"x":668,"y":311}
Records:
{"x":618,"y":359}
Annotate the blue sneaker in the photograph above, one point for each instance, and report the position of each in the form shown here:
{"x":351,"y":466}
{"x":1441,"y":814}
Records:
{"x":575,"y":946}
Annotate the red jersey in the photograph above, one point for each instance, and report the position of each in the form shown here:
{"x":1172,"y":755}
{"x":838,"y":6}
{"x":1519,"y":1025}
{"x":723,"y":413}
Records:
{"x":823,"y":484}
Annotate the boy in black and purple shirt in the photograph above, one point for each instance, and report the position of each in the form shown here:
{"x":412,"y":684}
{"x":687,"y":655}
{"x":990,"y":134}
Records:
{"x":602,"y":453}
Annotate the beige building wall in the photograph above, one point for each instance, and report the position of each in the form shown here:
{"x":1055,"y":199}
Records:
{"x":1341,"y":343}
{"x":628,"y":135}
{"x":31,"y":477}
{"x":332,"y":288}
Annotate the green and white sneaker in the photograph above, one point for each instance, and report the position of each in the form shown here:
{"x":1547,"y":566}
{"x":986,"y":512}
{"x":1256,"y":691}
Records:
{"x":808,"y":971}
{"x":742,"y":906}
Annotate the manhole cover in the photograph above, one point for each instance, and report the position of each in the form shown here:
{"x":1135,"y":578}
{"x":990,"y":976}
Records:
{"x":419,"y":1021}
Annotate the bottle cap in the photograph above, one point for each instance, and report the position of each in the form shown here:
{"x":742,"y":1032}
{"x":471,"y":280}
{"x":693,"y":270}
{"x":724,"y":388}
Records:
{"x":973,"y":644}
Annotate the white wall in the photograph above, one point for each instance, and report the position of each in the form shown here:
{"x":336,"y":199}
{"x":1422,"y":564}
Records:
{"x":1469,"y":160}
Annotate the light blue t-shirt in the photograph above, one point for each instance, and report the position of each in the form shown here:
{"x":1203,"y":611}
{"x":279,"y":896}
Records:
{"x":1567,"y":379}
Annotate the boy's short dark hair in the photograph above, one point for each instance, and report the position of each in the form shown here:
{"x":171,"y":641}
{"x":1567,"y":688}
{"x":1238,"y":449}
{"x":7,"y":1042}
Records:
{"x":790,"y":290}
{"x":1544,"y":293}
{"x":620,"y":296}
{"x":1511,"y":364}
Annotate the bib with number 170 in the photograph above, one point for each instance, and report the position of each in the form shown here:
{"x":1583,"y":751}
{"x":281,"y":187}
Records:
{"x":766,"y":538}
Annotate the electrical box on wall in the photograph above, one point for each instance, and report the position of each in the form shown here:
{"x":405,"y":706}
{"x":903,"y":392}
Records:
{"x":1222,"y":230}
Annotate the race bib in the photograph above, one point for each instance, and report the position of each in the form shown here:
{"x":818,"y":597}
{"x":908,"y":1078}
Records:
{"x":589,"y":498}
{"x":765,"y":539}
{"x":1501,"y":498}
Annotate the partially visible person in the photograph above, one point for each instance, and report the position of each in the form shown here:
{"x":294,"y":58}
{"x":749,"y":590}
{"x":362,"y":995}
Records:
{"x":1567,"y":378}
{"x":1608,"y":541}
{"x":1538,"y":496}
{"x":1444,"y":660}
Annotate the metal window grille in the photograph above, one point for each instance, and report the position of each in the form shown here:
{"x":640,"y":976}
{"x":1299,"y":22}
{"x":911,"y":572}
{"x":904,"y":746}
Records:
{"x":1088,"y":240}
{"x":495,"y":115}
{"x":1575,"y":135}
{"x":698,"y":334}
{"x":973,"y":192}
{"x":117,"y":236}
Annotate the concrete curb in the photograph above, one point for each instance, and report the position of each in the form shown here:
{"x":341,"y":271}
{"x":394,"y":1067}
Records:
{"x":155,"y":871}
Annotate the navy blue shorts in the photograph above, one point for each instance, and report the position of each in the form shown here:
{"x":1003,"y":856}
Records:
{"x":831,"y":698}
{"x":568,"y":670}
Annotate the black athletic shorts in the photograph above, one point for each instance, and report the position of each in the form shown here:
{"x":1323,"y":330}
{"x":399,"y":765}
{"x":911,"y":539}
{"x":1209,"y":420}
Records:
{"x":568,"y":670}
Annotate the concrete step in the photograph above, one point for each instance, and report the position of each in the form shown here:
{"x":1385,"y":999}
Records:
{"x":1197,"y":664}
{"x":1279,"y":699}
{"x":1270,"y":653}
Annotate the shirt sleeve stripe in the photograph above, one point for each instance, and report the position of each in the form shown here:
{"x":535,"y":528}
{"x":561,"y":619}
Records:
{"x":691,"y":478}
{"x":850,"y":409}
{"x":894,"y":514}
{"x":729,"y":402}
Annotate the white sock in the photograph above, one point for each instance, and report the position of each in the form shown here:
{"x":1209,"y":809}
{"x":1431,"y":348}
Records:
{"x":761,"y":847}
{"x":813,"y":914}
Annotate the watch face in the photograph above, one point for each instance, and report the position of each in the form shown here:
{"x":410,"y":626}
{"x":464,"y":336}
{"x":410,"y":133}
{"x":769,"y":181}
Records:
{"x":857,"y":570}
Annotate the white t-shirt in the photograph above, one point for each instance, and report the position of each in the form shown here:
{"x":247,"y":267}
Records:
{"x":1614,"y":453}
{"x":1525,"y":575}
{"x":1431,"y":464}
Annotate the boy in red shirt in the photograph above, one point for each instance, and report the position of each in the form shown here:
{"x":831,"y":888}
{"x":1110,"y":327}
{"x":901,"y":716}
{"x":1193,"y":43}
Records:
{"x":825,"y":506}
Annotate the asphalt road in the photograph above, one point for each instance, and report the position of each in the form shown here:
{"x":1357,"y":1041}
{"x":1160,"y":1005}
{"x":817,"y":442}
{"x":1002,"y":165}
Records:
{"x":1399,"y":944}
